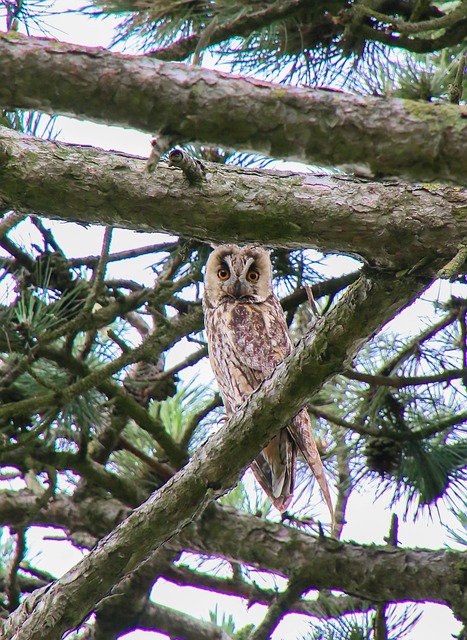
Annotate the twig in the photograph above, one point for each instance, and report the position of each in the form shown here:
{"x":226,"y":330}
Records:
{"x":418,"y":9}
{"x":90,"y":261}
{"x":47,"y":235}
{"x":12,"y":588}
{"x":326,"y":606}
{"x":189,"y":361}
{"x":164,"y":471}
{"x":10,"y":221}
{"x":380,"y":626}
{"x":191,"y":427}
{"x":326,"y":288}
{"x":419,"y":434}
{"x":204,"y":40}
{"x":399,"y":382}
{"x":456,"y":89}
{"x":242,"y":25}
{"x":405,"y":28}
{"x":77,"y":322}
{"x":99,"y":271}
{"x":138,"y":322}
{"x":159,"y":145}
{"x":344,"y":480}
{"x":454,"y":266}
{"x":392,"y":537}
{"x":193,"y":168}
{"x":311,"y":300}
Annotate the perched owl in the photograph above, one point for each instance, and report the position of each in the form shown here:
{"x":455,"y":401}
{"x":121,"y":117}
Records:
{"x":247,"y":338}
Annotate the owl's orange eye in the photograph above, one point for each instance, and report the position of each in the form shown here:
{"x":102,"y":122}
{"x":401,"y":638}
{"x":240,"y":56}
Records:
{"x":252,"y":276}
{"x":223,"y":274}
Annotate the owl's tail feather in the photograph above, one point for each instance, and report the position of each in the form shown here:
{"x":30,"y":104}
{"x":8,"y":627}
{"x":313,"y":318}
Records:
{"x":300,"y":430}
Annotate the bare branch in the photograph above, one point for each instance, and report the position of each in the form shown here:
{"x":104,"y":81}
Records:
{"x":190,"y":103}
{"x":296,"y":210}
{"x":400,"y":382}
{"x":279,"y":607}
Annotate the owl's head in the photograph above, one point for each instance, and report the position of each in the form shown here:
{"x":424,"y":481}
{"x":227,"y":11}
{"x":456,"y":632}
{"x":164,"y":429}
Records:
{"x":238,"y":273}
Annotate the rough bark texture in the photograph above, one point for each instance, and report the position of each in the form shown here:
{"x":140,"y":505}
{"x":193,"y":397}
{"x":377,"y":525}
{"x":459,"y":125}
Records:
{"x":363,"y":309}
{"x":379,"y":573}
{"x":373,"y":572}
{"x":393,"y":137}
{"x":391,"y":225}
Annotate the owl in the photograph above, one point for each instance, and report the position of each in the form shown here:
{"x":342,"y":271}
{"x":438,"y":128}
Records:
{"x":247,"y":338}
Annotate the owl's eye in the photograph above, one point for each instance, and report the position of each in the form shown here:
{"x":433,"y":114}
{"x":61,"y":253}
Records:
{"x":223,"y":274}
{"x":252,"y":275}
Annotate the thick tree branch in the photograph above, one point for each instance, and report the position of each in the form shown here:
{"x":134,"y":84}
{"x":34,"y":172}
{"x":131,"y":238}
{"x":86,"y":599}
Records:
{"x":187,"y":103}
{"x":362,"y":310}
{"x":291,"y":210}
{"x":379,"y":574}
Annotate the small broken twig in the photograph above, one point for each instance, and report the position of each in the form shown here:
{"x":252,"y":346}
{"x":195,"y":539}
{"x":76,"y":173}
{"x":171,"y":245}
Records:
{"x":194,"y":169}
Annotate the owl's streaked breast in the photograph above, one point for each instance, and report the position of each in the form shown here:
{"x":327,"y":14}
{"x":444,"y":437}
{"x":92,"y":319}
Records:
{"x":245,"y":346}
{"x":235,"y":380}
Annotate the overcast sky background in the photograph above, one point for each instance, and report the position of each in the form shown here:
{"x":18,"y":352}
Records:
{"x":368,"y":522}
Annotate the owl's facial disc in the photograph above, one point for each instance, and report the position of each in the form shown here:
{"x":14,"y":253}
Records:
{"x":238,"y":278}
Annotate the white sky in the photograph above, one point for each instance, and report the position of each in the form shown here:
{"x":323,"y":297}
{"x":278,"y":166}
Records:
{"x":368,"y":521}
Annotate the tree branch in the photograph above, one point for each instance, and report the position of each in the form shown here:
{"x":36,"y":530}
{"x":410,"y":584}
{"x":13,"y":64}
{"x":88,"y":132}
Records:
{"x":189,"y":104}
{"x":401,"y":26}
{"x":242,"y":25}
{"x":177,"y":624}
{"x":280,"y":606}
{"x":324,"y":607}
{"x":296,"y":210}
{"x":400,"y":382}
{"x":376,"y":573}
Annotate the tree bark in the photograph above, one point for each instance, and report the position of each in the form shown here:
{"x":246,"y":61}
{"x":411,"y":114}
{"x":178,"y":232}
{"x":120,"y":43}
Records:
{"x":61,"y":606}
{"x":390,"y":224}
{"x":392,"y":137}
{"x":376,"y":573}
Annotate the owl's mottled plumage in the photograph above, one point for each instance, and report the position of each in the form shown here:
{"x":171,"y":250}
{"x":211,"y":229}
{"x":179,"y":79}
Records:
{"x":248,"y":337}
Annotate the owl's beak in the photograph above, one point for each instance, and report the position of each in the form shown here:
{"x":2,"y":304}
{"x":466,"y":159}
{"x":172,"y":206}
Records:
{"x":237,"y":289}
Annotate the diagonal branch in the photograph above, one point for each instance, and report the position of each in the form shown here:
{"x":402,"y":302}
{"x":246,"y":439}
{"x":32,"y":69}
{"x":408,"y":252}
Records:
{"x":188,"y":104}
{"x":283,"y":602}
{"x":296,"y":210}
{"x":366,"y":306}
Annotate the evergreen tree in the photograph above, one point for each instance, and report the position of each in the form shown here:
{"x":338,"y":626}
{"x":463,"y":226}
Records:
{"x":109,"y":429}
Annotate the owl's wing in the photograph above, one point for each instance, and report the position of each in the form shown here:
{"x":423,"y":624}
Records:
{"x":260,"y":335}
{"x":301,"y":432}
{"x":274,"y":469}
